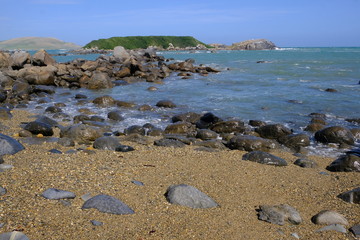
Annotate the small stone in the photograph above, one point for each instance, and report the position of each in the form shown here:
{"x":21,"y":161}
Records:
{"x":295,"y":235}
{"x":5,"y":166}
{"x":189,"y":196}
{"x":108,"y":204}
{"x":13,"y":236}
{"x":56,"y":194}
{"x":2,"y":191}
{"x":334,"y":227}
{"x":96,"y":223}
{"x":137,"y":183}
{"x":65,"y":203}
{"x":55,"y":151}
{"x":278,"y":214}
{"x":124,"y":148}
{"x":86,"y":196}
{"x":327,"y":217}
{"x":356,"y":230}
{"x":71,"y":151}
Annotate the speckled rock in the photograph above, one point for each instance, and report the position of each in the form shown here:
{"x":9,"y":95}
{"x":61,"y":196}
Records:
{"x":305,"y":163}
{"x":56,"y":194}
{"x":189,"y":196}
{"x":278,"y":214}
{"x":106,"y":143}
{"x":108,"y":204}
{"x":264,"y":158}
{"x":352,"y":196}
{"x":335,"y":134}
{"x":350,"y":162}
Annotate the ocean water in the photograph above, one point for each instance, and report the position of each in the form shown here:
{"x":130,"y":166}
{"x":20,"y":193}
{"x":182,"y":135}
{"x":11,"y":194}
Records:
{"x":288,"y":86}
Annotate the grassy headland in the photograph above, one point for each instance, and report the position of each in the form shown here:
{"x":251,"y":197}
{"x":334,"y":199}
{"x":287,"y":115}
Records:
{"x":135,"y":42}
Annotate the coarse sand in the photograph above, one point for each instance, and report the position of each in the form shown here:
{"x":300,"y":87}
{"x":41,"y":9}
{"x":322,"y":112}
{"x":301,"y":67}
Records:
{"x":240,"y":187}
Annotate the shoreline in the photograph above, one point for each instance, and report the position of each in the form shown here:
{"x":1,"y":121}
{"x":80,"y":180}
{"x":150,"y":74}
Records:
{"x":238,"y":186}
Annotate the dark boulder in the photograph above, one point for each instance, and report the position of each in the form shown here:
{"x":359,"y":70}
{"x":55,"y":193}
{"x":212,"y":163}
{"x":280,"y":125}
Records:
{"x":169,"y":143}
{"x":213,"y":143}
{"x":305,"y":163}
{"x":166,"y":104}
{"x":190,"y":117}
{"x":257,"y":123}
{"x":264,"y":158}
{"x":9,"y":145}
{"x":250,"y":143}
{"x":335,"y":134}
{"x":106,"y":143}
{"x":39,"y":128}
{"x":228,"y":127}
{"x":53,"y":109}
{"x":295,"y":141}
{"x":207,"y":120}
{"x":81,"y":133}
{"x":115,"y":116}
{"x":183,"y":128}
{"x":352,"y":196}
{"x":350,"y":162}
{"x":104,"y":101}
{"x":273,"y":131}
{"x":206,"y":134}
{"x":314,"y":127}
{"x":135,"y":129}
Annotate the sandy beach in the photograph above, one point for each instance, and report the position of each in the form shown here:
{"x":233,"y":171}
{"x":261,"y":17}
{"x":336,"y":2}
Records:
{"x":238,"y":186}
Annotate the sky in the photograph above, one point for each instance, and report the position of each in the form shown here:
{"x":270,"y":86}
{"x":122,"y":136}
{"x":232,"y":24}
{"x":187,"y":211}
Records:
{"x":287,"y":23}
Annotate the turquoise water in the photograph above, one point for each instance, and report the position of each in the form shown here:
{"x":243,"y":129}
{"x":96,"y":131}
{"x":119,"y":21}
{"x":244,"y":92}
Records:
{"x":285,"y":89}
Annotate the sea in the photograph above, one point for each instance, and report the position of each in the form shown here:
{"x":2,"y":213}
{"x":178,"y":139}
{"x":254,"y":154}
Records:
{"x":276,"y":86}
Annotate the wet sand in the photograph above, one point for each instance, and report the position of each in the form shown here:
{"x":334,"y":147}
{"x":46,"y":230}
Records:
{"x":238,"y":186}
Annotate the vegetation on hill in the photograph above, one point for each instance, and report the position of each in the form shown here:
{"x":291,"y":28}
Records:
{"x":36,"y":43}
{"x":144,"y":42}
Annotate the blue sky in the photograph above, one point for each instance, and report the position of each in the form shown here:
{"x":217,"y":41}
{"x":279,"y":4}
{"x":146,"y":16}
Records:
{"x":288,"y":23}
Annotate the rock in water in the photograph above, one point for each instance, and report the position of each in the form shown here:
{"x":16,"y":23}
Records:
{"x":278,"y":214}
{"x":352,"y":196}
{"x":56,"y":194}
{"x":327,"y":217}
{"x":108,"y":204}
{"x":9,"y":145}
{"x":189,"y":196}
{"x":264,"y":158}
{"x":13,"y":236}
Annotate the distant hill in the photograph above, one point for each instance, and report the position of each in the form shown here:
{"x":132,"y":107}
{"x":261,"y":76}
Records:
{"x":36,"y":43}
{"x":144,"y":42}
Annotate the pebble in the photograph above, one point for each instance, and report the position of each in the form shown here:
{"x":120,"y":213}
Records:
{"x":86,"y":196}
{"x":107,"y":204}
{"x":137,"y":183}
{"x":5,"y":166}
{"x":334,"y":227}
{"x":96,"y":223}
{"x":3,"y":191}
{"x":356,"y":230}
{"x":55,"y":151}
{"x":55,"y":194}
{"x":13,"y":236}
{"x":327,"y":217}
{"x":295,"y":235}
{"x":278,"y":214}
{"x":124,"y":148}
{"x":189,"y":196}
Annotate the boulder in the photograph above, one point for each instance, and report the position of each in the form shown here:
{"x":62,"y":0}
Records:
{"x":207,"y":120}
{"x":106,"y":143}
{"x":183,"y":128}
{"x":166,"y":104}
{"x":189,"y":196}
{"x":228,"y":127}
{"x":38,"y":75}
{"x":273,"y":131}
{"x":107,"y":204}
{"x":352,"y":196}
{"x":99,"y":80}
{"x":335,"y":134}
{"x":169,"y":143}
{"x":190,"y":117}
{"x":39,"y":128}
{"x":264,"y":158}
{"x":121,"y":53}
{"x":104,"y":101}
{"x":18,"y":59}
{"x":350,"y":162}
{"x":278,"y":214}
{"x":115,"y":116}
{"x":305,"y":163}
{"x":213,"y":143}
{"x":257,"y":123}
{"x":42,"y":58}
{"x":9,"y":145}
{"x":135,"y":129}
{"x":89,"y":66}
{"x":295,"y":141}
{"x":15,"y":235}
{"x":257,"y":44}
{"x":314,"y":127}
{"x":327,"y":217}
{"x":250,"y":143}
{"x":4,"y":59}
{"x":81,"y":133}
{"x":206,"y":134}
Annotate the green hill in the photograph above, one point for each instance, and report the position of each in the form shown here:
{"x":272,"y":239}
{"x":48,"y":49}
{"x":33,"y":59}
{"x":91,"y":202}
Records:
{"x":135,"y":42}
{"x":36,"y":43}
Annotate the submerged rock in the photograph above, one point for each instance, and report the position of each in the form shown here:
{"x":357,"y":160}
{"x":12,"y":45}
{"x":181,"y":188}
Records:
{"x":189,"y":196}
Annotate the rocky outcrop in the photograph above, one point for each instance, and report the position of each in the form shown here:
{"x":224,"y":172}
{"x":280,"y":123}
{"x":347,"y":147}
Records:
{"x":257,"y":44}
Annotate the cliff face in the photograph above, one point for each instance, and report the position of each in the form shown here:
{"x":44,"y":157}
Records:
{"x":257,"y":44}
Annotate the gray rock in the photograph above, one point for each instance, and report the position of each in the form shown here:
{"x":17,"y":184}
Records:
{"x":186,"y":117}
{"x":55,"y":151}
{"x":56,"y":194}
{"x":121,"y":53}
{"x":217,"y":144}
{"x":96,"y":223}
{"x":256,"y":44}
{"x":333,"y":227}
{"x":2,"y":191}
{"x":9,"y":145}
{"x":189,"y":196}
{"x":295,"y":235}
{"x":104,"y":101}
{"x":135,"y":129}
{"x":206,"y":134}
{"x":295,"y":141}
{"x":115,"y":116}
{"x":47,"y":120}
{"x":278,"y":214}
{"x":356,"y":230}
{"x":264,"y":158}
{"x":327,"y":217}
{"x":81,"y":133}
{"x":250,"y":143}
{"x":305,"y":163}
{"x":273,"y":131}
{"x":169,"y":143}
{"x":108,"y":204}
{"x":350,"y":162}
{"x":13,"y":236}
{"x":228,"y":127}
{"x":5,"y":114}
{"x":207,"y":120}
{"x":335,"y":134}
{"x":137,"y":183}
{"x":352,"y":196}
{"x":106,"y":143}
{"x":66,"y":142}
{"x":124,"y":148}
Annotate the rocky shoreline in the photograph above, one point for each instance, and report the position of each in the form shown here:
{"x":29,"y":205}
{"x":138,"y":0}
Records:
{"x":72,"y":162}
